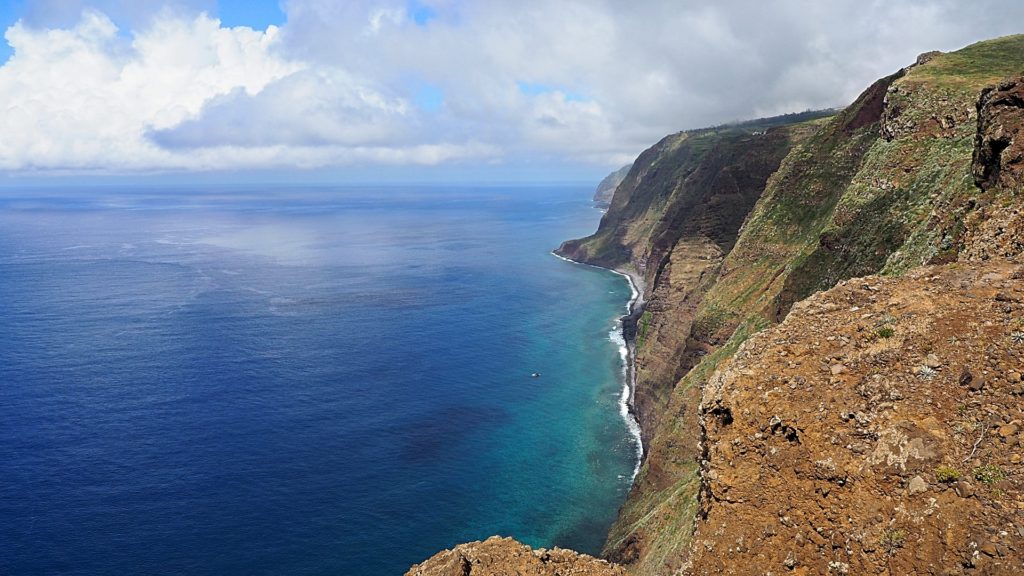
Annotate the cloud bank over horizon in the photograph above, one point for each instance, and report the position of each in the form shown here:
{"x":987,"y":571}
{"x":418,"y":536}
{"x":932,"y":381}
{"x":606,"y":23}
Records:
{"x":115,"y":87}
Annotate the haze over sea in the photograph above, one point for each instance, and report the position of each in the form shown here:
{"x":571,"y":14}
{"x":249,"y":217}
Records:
{"x":310,"y":380}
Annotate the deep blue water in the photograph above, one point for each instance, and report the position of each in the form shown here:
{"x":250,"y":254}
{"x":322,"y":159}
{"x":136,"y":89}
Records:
{"x":301,"y":381}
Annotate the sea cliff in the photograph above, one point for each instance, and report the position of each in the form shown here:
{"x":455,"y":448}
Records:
{"x":871,"y":425}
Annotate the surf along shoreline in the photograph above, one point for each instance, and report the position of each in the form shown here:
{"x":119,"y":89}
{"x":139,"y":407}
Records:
{"x":624,"y":335}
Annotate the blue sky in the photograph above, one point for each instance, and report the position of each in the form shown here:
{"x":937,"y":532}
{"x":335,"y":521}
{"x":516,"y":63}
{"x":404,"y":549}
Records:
{"x":253,"y":13}
{"x":430,"y":90}
{"x":10,"y":11}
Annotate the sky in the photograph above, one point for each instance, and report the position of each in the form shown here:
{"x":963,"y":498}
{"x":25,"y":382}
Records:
{"x":430,"y":89}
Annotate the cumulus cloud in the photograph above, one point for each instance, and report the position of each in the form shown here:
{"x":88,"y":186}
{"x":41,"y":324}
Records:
{"x":84,"y":97}
{"x":437,"y":81}
{"x":307,"y":108}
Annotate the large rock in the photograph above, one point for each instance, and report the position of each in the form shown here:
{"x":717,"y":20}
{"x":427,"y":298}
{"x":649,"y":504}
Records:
{"x":505,"y":557}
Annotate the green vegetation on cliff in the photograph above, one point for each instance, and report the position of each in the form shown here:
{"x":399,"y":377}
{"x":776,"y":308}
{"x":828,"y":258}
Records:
{"x":717,"y":172}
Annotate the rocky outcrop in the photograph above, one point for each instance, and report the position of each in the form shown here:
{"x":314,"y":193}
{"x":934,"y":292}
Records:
{"x":995,"y":225}
{"x":876,"y":430}
{"x":999,"y":148}
{"x":505,"y":557}
{"x":606,"y":188}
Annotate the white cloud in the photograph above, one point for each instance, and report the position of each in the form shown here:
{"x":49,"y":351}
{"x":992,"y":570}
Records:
{"x":85,"y":97}
{"x":307,"y":108}
{"x":338,"y":84}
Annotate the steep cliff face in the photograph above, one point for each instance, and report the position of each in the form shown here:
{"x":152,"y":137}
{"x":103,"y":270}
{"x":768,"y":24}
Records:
{"x":718,"y":171}
{"x":653,"y":532}
{"x":672,"y":220}
{"x":606,"y":188}
{"x":887,"y":410}
{"x":884,"y":186}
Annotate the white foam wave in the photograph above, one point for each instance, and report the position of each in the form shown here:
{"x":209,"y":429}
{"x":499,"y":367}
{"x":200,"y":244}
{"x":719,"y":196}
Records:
{"x":626,"y":397}
{"x":626,"y":362}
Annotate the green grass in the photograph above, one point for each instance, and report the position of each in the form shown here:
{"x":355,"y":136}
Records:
{"x":643,"y":327}
{"x":986,"y":61}
{"x":709,"y":320}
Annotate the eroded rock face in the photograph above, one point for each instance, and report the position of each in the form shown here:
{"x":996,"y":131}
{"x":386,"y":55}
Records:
{"x":505,"y":557}
{"x":876,"y":430}
{"x":999,"y":149}
{"x":995,"y":227}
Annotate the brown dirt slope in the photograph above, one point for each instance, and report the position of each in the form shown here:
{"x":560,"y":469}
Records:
{"x":506,"y":557}
{"x":877,"y":430}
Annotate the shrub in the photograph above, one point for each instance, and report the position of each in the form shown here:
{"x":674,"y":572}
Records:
{"x":886,"y":332}
{"x":946,"y":474}
{"x":892,"y":539}
{"x":989,"y":473}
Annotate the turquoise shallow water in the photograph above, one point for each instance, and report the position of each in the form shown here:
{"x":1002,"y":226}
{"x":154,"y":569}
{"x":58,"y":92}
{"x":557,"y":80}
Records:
{"x":301,"y":381}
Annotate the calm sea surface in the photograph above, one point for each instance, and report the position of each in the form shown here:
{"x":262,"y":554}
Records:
{"x":325,"y":381}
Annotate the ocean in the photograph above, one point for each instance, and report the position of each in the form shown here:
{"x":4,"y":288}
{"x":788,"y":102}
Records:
{"x":302,"y":380}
